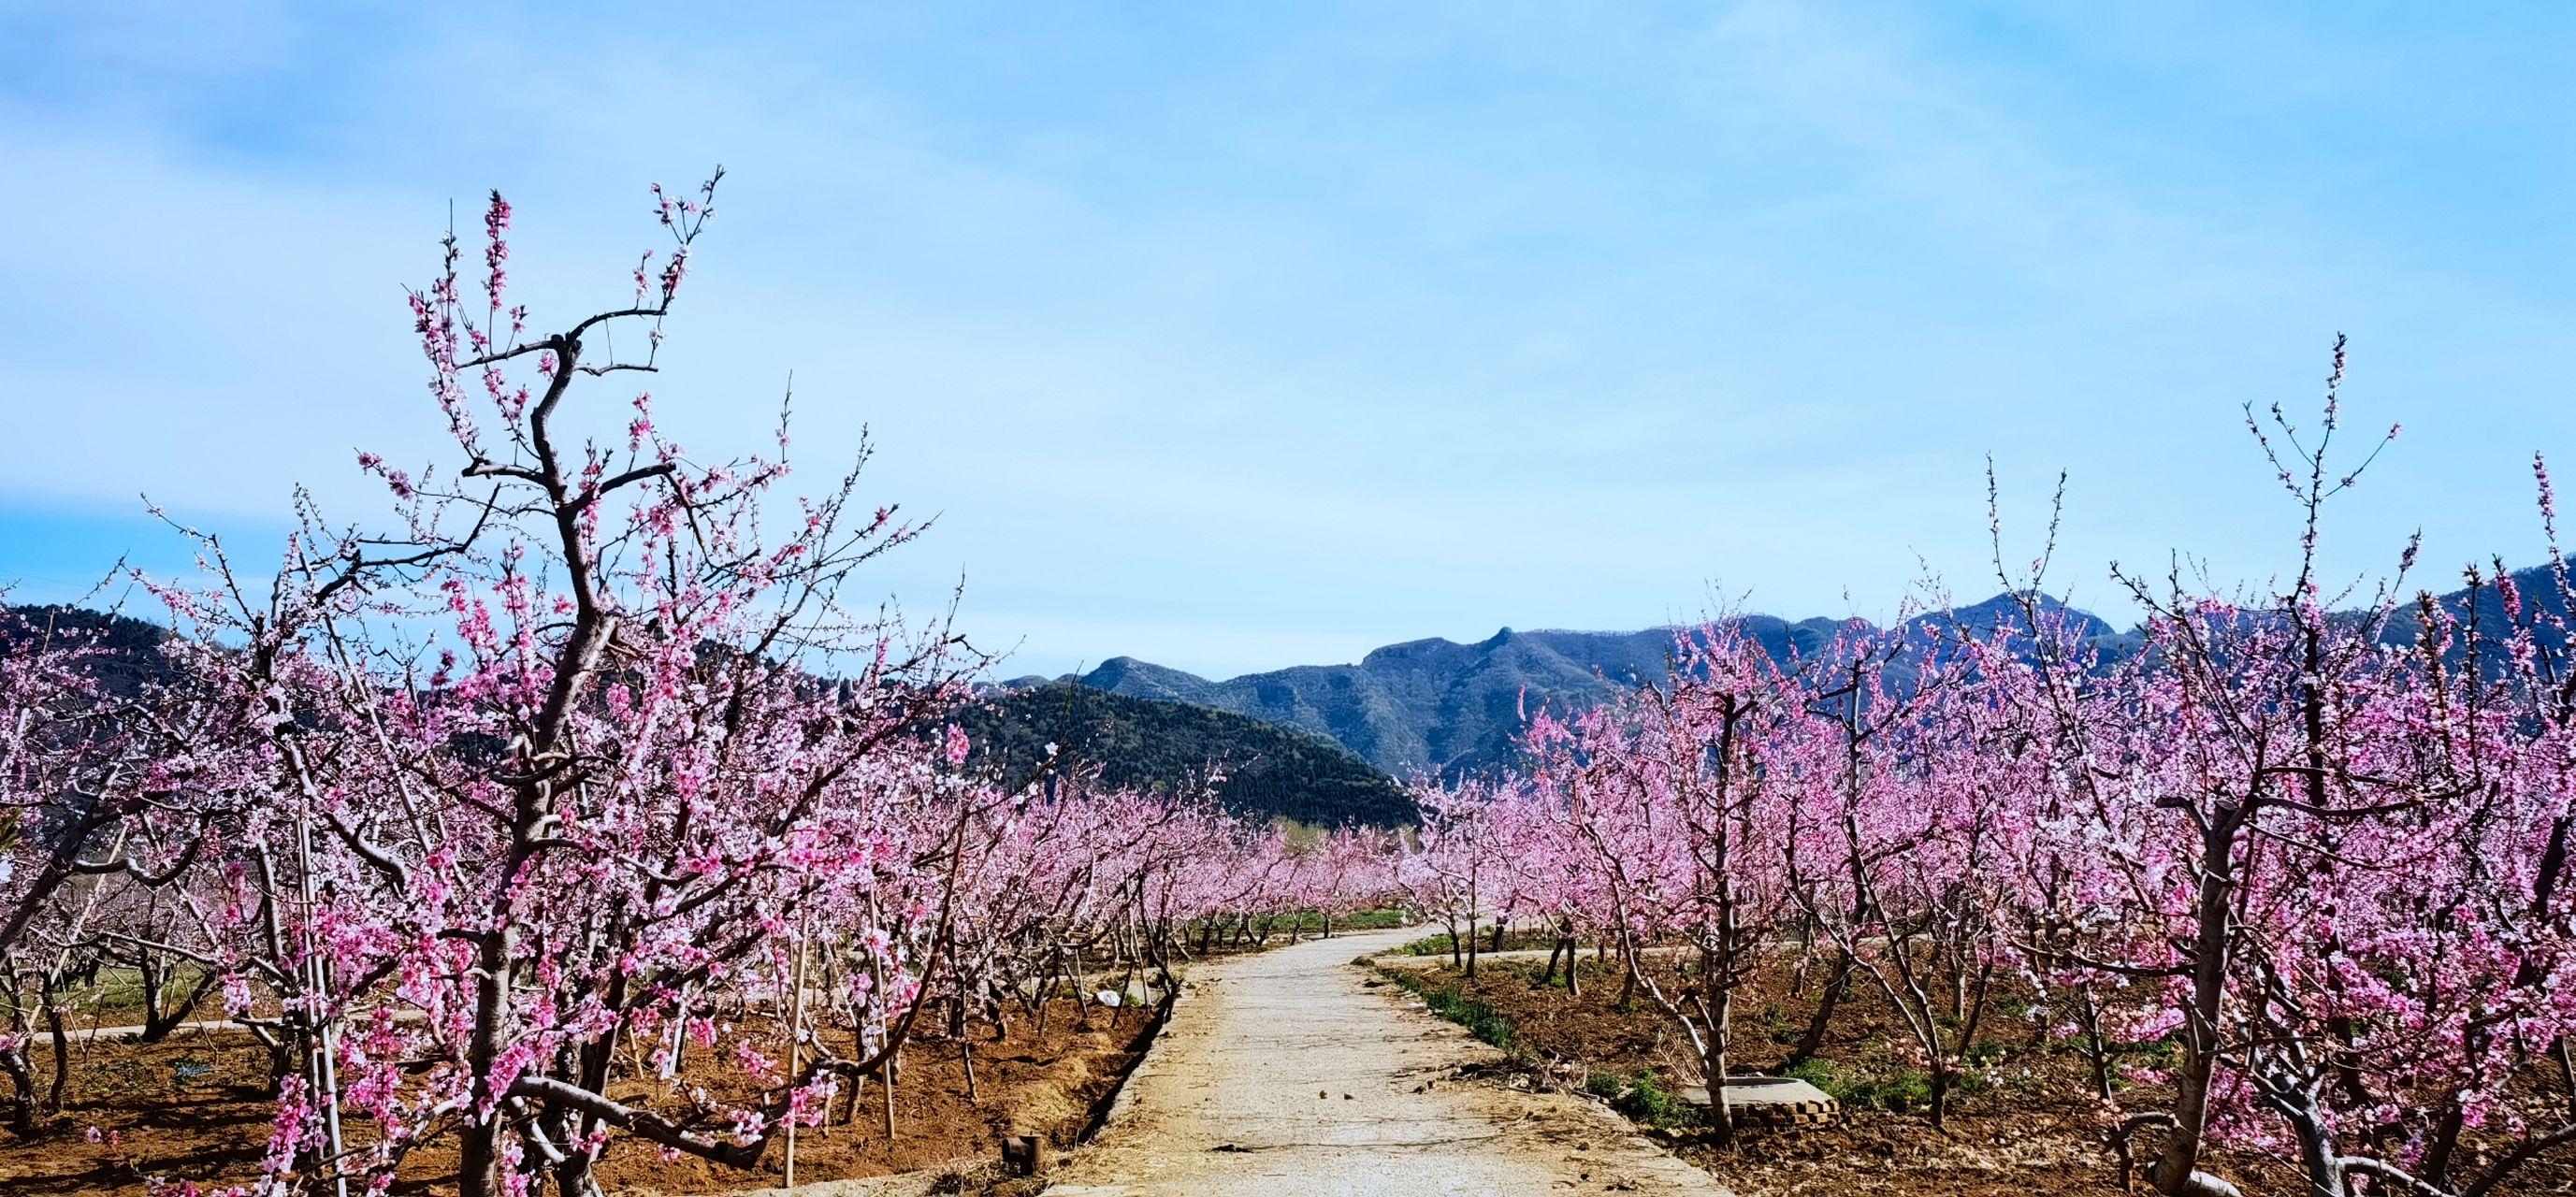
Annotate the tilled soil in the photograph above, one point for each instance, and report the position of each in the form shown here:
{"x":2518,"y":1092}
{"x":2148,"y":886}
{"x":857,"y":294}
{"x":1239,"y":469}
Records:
{"x":194,"y":1108}
{"x":2023,"y":1129}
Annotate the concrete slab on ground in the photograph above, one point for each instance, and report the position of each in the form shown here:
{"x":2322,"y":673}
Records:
{"x":1774,"y":1099}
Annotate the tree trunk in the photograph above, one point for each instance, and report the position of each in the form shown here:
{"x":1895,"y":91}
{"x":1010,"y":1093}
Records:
{"x":1719,"y":999}
{"x":2097,"y":1052}
{"x":2175,"y":1171}
{"x":478,"y":1169}
{"x":1837,"y":983}
{"x":22,"y":1080}
{"x":62,"y":1053}
{"x":2567,"y":1072}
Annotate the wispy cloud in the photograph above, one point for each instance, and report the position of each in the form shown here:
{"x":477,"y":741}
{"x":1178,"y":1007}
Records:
{"x":1229,"y":337}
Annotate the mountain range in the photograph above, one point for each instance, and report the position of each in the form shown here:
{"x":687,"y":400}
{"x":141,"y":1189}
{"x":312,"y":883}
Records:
{"x":1258,"y":770}
{"x":1323,"y":743}
{"x":1441,"y":707}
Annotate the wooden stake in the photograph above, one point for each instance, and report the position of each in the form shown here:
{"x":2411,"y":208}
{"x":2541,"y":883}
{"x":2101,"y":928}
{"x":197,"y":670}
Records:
{"x":889,"y":1088}
{"x":796,"y":1039}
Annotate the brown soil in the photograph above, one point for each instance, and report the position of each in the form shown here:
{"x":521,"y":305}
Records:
{"x":2015,"y":1134}
{"x":193,"y":1108}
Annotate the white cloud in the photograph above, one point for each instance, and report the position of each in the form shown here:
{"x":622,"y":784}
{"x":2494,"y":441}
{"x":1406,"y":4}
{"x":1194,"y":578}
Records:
{"x":1294,"y":336}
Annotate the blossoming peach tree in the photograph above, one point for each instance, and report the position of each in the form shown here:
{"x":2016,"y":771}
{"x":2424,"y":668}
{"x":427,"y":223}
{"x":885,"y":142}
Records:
{"x":2316,"y":845}
{"x":500,"y":825}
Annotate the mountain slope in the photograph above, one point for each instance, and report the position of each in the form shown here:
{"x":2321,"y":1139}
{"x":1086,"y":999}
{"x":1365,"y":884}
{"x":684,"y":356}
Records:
{"x":123,"y":653}
{"x":2542,"y":607}
{"x":1168,"y":746}
{"x":1163,"y":746}
{"x":1439,"y":706}
{"x":1425,"y":705}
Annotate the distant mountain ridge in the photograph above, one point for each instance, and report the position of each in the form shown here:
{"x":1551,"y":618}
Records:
{"x":1431,"y":705}
{"x":1256,"y":769}
{"x":1442,"y":707}
{"x":1438,"y":706}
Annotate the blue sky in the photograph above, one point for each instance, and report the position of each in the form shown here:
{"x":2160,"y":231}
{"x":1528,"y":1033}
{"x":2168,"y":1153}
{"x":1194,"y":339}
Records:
{"x":1238,"y":336}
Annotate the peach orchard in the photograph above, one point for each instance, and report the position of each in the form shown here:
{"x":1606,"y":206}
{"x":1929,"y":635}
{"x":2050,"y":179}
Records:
{"x":484,"y":822}
{"x":582,"y":767}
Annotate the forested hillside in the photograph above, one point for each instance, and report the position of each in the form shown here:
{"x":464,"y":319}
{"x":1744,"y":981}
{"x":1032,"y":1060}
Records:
{"x":1169,"y":747}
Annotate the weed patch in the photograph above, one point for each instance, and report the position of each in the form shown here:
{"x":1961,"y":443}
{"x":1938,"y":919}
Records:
{"x":1452,"y":1003}
{"x":1643,"y":1099}
{"x":1896,"y":1089}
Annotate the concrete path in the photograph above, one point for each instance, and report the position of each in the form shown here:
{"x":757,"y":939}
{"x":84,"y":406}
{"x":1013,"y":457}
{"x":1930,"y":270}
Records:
{"x":1283,"y":1074}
